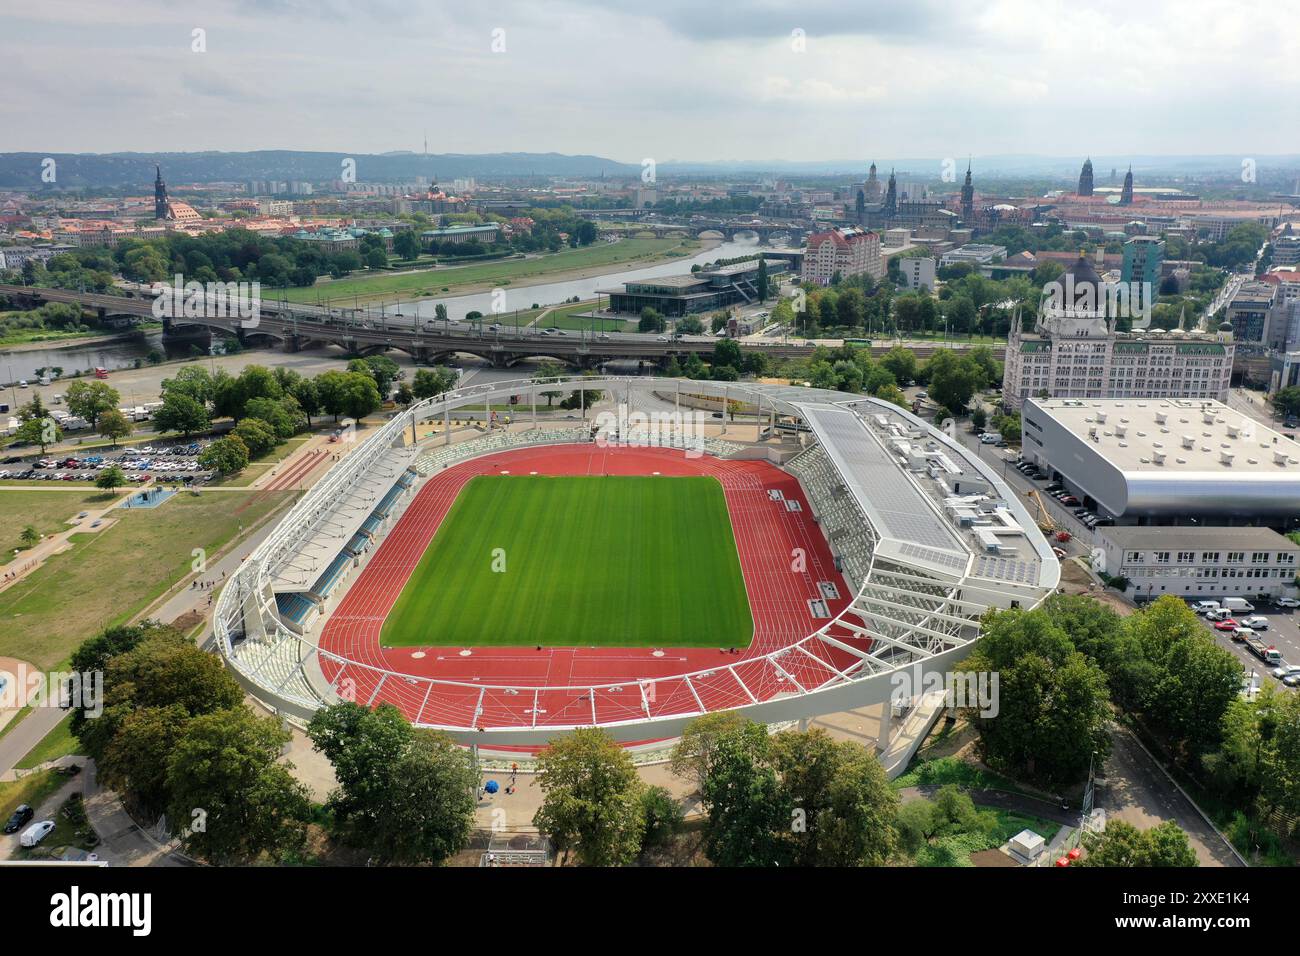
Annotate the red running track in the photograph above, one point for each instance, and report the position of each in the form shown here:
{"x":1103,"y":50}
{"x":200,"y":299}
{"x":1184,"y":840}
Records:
{"x":767,"y":534}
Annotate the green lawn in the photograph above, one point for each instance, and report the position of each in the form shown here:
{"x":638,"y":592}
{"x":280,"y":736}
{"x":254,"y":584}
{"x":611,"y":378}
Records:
{"x":59,"y":742}
{"x":455,"y":279}
{"x":47,"y":511}
{"x":589,"y":561}
{"x":111,"y":575}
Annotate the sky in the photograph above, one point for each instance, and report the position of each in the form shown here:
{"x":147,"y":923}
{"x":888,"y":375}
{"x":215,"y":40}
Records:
{"x":667,"y":80}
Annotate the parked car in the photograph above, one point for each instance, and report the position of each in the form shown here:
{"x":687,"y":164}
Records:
{"x":1227,"y":624}
{"x":20,"y":816}
{"x":1292,"y":680}
{"x":1255,"y":622}
{"x":1282,"y":670}
{"x":1287,"y":602}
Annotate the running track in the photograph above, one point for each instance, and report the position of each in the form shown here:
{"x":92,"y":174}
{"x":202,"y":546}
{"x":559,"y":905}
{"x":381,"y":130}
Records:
{"x":767,"y":535}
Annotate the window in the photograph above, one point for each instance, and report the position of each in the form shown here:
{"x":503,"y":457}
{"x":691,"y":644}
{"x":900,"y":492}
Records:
{"x":1186,"y":557}
{"x":1162,"y":557}
{"x":1209,"y":557}
{"x":1135,"y":557}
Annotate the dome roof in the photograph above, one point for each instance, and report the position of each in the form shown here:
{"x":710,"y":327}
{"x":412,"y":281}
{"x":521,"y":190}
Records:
{"x":1225,"y":326}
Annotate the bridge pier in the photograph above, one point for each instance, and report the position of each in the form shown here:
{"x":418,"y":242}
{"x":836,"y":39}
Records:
{"x":290,"y":343}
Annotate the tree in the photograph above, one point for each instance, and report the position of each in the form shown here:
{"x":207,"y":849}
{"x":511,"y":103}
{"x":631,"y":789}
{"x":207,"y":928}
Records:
{"x":953,"y":381}
{"x":360,"y":396}
{"x":404,"y":395}
{"x":663,"y":817}
{"x":901,"y":362}
{"x":181,"y":413}
{"x":651,"y":321}
{"x":90,"y":399}
{"x":230,"y":797}
{"x":431,"y":382}
{"x":29,"y":537}
{"x":360,"y":744}
{"x":407,"y":244}
{"x":545,"y":372}
{"x":1286,"y":401}
{"x":845,"y":803}
{"x":114,"y":425}
{"x":257,"y":436}
{"x":39,"y":431}
{"x":227,"y":455}
{"x":692,"y":756}
{"x":281,"y":415}
{"x":749,"y":817}
{"x":429,"y":802}
{"x":1193,"y":680}
{"x":592,"y":798}
{"x":1053,"y":703}
{"x":110,"y":478}
{"x":1123,"y":845}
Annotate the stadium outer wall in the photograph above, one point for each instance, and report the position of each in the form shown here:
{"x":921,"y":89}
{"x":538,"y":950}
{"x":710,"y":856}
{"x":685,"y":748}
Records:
{"x":246,"y":608}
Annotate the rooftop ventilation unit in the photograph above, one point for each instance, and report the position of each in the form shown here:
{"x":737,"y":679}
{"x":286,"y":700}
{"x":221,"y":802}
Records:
{"x":1101,"y":417}
{"x":1234,"y":431}
{"x":1161,"y":418}
{"x":1121,"y":430}
{"x":1158,"y":457}
{"x":1189,"y":441}
{"x":1279,"y":458}
{"x":1226,"y":457}
{"x":1208,"y":418}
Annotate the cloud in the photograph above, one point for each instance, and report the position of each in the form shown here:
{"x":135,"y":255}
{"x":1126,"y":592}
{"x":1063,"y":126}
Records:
{"x":679,"y":78}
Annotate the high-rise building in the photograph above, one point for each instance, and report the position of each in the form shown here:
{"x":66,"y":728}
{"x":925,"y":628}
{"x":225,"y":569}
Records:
{"x":1085,"y":179}
{"x":1143,"y":259}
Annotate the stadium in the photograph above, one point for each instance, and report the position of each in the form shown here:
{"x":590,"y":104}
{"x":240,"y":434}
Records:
{"x":783,"y":551}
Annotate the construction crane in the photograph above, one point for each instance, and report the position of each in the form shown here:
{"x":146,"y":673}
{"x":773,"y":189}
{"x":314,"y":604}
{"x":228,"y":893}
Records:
{"x":1046,"y":524}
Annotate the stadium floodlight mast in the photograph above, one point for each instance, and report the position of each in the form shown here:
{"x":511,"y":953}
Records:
{"x":917,"y":603}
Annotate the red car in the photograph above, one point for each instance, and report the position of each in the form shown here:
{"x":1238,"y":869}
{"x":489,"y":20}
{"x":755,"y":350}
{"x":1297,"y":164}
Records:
{"x":1228,"y":624}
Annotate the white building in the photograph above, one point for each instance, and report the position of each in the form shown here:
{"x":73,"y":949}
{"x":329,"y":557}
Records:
{"x":1076,"y":351}
{"x":1164,"y":460}
{"x":844,"y":252}
{"x":1210,"y":562}
{"x":918,"y":272}
{"x":976,"y":253}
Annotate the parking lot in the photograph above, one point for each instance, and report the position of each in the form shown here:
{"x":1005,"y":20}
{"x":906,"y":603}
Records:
{"x":169,"y":462}
{"x":1283,"y":632}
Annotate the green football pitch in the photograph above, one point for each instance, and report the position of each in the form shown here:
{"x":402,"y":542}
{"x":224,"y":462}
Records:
{"x":578,"y":562}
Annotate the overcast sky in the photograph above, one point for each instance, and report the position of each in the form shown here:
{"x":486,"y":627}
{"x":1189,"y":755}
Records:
{"x":665,"y":79}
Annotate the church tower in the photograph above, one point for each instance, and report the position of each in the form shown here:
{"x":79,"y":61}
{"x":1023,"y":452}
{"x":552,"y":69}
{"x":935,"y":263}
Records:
{"x":1085,"y":178}
{"x":159,"y":195}
{"x":891,"y":197}
{"x":1126,"y":194}
{"x":967,"y":200}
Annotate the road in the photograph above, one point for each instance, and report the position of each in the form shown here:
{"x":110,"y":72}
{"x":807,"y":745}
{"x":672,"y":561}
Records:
{"x":1139,"y":792}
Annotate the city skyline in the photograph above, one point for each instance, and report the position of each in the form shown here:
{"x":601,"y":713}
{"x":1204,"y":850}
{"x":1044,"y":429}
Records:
{"x":754,"y":82}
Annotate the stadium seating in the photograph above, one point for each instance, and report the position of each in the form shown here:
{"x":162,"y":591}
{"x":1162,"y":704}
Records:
{"x":843,"y":523}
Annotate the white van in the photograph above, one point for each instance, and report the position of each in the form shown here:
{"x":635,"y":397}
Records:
{"x":1237,"y":605}
{"x":35,"y":833}
{"x":1205,"y":607}
{"x":1255,"y":623}
{"x":989,"y":438}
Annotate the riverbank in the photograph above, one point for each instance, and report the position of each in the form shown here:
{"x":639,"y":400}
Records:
{"x":569,"y":265}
